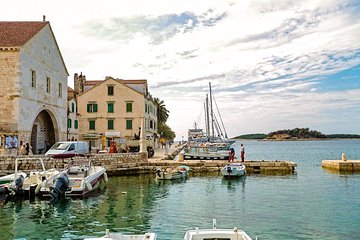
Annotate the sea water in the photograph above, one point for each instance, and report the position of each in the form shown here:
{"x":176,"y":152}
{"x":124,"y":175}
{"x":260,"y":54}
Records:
{"x":313,"y":203}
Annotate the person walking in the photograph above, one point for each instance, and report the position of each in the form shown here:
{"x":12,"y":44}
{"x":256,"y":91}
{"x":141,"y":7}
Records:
{"x":242,"y":152}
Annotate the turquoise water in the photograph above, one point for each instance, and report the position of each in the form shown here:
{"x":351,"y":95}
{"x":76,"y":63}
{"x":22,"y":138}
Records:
{"x":311,"y":204}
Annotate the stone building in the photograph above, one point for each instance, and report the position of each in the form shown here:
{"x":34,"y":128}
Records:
{"x":33,"y":93}
{"x":113,"y":109}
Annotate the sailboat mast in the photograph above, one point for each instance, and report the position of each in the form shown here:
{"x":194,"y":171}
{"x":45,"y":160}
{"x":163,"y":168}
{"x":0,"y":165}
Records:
{"x":207,"y":122}
{"x":211,"y":113}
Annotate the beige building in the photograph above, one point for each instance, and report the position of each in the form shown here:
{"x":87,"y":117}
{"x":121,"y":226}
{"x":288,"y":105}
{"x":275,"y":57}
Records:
{"x":33,"y":80}
{"x":114,"y":109}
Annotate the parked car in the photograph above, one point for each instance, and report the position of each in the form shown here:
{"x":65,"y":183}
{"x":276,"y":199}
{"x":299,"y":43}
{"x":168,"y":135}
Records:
{"x":68,"y":149}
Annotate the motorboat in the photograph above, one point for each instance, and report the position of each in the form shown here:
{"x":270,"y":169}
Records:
{"x":12,"y":184}
{"x":181,"y":172}
{"x":119,"y":236}
{"x":216,"y":234}
{"x":32,"y":183}
{"x":233,"y":170}
{"x":205,"y":153}
{"x":78,"y":179}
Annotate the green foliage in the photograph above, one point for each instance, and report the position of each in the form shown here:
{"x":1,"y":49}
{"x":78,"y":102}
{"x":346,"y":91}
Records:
{"x":166,"y":132}
{"x":342,"y":136}
{"x":298,"y":133}
{"x":162,"y":112}
{"x":252,"y":136}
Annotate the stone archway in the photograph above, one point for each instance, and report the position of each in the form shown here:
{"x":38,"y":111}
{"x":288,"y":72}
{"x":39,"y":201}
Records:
{"x":43,"y":130}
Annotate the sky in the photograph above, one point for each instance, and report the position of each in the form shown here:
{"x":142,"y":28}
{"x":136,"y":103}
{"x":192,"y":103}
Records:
{"x":272,"y":64}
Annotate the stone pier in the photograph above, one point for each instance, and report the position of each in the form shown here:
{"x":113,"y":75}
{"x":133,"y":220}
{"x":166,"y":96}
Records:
{"x":347,"y":166}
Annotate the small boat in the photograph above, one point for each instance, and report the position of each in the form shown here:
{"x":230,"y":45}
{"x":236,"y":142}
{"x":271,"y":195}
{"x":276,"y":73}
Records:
{"x":10,"y":178}
{"x":12,"y":184}
{"x":32,"y":183}
{"x":215,"y":233}
{"x":78,"y":179}
{"x":119,"y":236}
{"x":233,"y":170}
{"x":181,"y":172}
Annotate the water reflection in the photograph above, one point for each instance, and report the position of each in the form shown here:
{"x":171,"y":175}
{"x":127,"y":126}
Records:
{"x":235,"y":184}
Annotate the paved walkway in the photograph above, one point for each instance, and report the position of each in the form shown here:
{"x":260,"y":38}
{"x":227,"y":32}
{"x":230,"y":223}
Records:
{"x":161,"y":153}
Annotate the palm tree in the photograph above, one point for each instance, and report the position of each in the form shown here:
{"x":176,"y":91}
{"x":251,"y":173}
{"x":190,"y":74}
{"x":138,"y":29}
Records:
{"x":162,"y":112}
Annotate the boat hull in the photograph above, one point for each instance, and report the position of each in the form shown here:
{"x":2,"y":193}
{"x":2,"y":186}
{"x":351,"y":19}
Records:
{"x":233,"y":170}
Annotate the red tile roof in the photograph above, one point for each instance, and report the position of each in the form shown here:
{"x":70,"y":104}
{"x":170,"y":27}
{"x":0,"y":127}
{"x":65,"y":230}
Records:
{"x":14,"y":34}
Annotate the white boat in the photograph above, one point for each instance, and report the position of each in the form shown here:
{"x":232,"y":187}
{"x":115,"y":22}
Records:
{"x":119,"y":236}
{"x":32,"y":183}
{"x":233,"y":170}
{"x":12,"y":183}
{"x":78,"y":179}
{"x":181,"y":172}
{"x":216,"y":234}
{"x":10,"y":178}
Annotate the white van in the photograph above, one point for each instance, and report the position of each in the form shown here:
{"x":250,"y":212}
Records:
{"x":68,"y":149}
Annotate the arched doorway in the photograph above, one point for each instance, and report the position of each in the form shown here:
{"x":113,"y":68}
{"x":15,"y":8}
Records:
{"x":42,"y":133}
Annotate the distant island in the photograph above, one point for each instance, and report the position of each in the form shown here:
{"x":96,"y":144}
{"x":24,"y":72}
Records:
{"x":294,"y":134}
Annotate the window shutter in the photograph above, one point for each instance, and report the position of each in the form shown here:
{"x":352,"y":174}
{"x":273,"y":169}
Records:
{"x":76,"y":124}
{"x":88,"y":108}
{"x":95,"y":107}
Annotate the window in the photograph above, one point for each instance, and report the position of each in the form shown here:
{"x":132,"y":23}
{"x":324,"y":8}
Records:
{"x":60,"y":90}
{"x":92,"y":107}
{"x":151,"y":124}
{"x":110,"y":90}
{"x":47,"y":84}
{"x":110,"y":124}
{"x":92,"y":124}
{"x":72,"y":107}
{"x":69,"y":123}
{"x":111,"y":107}
{"x":33,"y":79}
{"x":146,"y":108}
{"x":128,"y":123}
{"x":76,"y":124}
{"x":128,"y":106}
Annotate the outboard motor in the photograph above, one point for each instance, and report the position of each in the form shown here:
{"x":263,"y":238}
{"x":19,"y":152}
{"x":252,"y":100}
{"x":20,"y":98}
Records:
{"x":228,"y":169}
{"x":17,"y":187}
{"x":61,"y":185}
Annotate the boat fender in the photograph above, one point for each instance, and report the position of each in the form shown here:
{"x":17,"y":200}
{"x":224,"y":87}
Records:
{"x":88,"y":186}
{"x":106,"y":179}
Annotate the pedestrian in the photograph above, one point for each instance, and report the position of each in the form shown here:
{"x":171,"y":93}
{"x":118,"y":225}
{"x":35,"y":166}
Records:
{"x":231,"y":155}
{"x":22,"y":150}
{"x":27,"y":148}
{"x":242,"y":152}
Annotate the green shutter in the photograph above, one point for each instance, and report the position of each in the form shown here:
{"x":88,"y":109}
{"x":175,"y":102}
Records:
{"x":111,"y":124}
{"x":128,"y":107}
{"x":95,"y":107}
{"x":72,"y":107}
{"x":69,"y":123}
{"x":76,"y":124}
{"x":88,"y":107}
{"x":92,"y":124}
{"x":128,"y":124}
{"x":110,"y":107}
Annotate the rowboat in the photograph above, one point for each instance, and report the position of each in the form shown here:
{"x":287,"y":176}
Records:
{"x":181,"y":172}
{"x":233,"y":170}
{"x":119,"y":236}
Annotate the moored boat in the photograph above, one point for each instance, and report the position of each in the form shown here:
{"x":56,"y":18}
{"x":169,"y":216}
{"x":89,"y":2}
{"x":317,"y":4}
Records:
{"x":181,"y":172}
{"x":233,"y":170}
{"x":78,"y":179}
{"x":119,"y":236}
{"x":216,"y":233}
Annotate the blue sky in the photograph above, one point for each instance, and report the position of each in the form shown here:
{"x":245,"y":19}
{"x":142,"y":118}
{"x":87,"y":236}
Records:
{"x":272,"y":64}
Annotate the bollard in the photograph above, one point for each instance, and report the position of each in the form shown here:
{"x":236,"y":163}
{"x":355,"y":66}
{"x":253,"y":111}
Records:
{"x":343,"y":157}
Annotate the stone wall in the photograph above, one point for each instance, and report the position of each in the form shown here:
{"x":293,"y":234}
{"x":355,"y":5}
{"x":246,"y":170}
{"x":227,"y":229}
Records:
{"x":112,"y":162}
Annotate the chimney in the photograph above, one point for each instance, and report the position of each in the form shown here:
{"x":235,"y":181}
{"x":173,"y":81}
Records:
{"x":44,"y":17}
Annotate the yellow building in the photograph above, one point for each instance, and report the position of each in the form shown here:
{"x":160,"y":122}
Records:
{"x":113,"y":109}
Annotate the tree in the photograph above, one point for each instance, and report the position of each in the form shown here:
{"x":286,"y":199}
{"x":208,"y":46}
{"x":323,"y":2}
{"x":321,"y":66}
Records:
{"x":166,"y":131}
{"x":162,"y":113}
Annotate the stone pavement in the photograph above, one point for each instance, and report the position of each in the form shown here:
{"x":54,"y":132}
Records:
{"x":162,"y":153}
